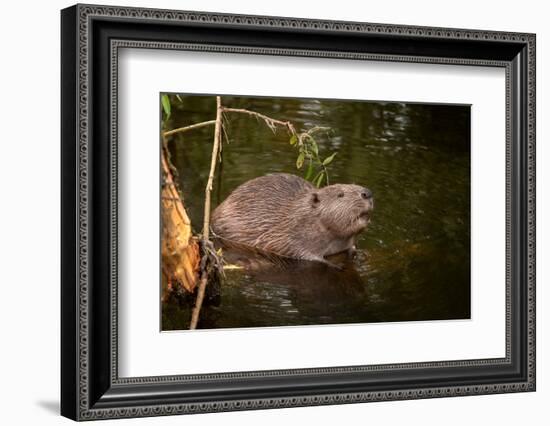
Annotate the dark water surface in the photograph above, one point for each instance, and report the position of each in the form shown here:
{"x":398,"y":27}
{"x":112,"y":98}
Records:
{"x":413,"y":261}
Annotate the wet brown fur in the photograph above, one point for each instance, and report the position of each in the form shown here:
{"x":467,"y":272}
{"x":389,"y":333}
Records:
{"x":285,"y":215}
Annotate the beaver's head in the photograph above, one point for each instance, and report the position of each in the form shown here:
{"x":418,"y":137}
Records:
{"x":343,"y":209}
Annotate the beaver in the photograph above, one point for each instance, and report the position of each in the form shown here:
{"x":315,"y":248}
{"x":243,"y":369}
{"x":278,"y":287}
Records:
{"x":285,"y":215}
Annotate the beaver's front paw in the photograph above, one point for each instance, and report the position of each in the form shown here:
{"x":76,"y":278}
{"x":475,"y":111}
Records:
{"x":352,"y":252}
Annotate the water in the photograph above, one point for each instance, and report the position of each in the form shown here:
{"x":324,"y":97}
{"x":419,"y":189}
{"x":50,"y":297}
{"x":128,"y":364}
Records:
{"x":413,"y":262}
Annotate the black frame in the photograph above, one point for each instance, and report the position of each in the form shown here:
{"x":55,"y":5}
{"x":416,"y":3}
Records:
{"x":90,"y":386}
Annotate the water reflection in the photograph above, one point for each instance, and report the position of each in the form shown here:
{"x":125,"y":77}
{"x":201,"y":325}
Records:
{"x":413,"y":261}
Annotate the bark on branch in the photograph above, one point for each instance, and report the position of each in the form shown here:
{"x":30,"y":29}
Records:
{"x":190,"y":127}
{"x":207,"y":202}
{"x":270,"y":122}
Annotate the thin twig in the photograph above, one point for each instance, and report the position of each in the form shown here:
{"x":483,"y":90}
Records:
{"x":271,"y":122}
{"x":213,"y":162}
{"x":206,"y":223}
{"x":198,"y":302}
{"x":190,"y":127}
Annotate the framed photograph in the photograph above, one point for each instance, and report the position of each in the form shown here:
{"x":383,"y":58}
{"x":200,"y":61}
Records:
{"x":263,"y":212}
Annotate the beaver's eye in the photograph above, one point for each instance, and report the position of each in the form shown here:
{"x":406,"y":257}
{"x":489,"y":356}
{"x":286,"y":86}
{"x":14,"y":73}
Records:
{"x":340,"y":195}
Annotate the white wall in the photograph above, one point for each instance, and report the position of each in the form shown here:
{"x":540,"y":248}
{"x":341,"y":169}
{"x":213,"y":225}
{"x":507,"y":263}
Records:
{"x":29,"y":212}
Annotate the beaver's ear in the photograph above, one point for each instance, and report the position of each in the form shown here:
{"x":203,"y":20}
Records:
{"x":315,"y":199}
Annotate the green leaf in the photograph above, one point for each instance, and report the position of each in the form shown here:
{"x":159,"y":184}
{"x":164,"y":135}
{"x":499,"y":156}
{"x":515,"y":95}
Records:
{"x":300,"y":160}
{"x":166,"y":105}
{"x":328,"y":160}
{"x":314,"y":147}
{"x":293,"y":140}
{"x":179,"y":98}
{"x":309,"y":172}
{"x":319,"y":179}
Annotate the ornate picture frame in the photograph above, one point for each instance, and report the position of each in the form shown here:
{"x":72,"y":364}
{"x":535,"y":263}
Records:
{"x":91,"y":39}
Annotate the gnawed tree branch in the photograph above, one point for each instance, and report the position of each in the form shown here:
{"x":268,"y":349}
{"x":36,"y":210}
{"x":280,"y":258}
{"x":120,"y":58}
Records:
{"x":180,"y":251}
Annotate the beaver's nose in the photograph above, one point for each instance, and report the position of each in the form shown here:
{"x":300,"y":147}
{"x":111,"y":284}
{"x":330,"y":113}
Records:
{"x":366,"y":193}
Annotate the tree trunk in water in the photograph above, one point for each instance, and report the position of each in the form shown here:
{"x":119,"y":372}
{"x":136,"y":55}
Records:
{"x":179,"y":249}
